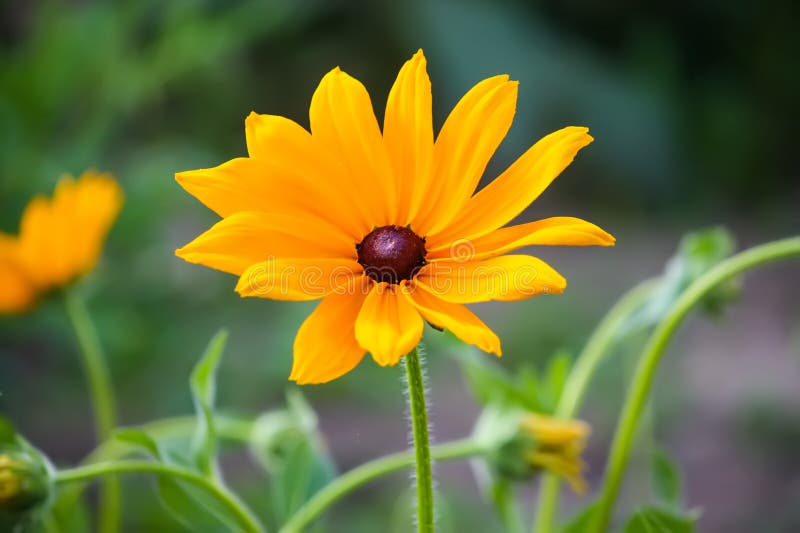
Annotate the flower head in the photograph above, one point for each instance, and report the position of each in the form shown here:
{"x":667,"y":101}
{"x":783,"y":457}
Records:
{"x":520,"y":444}
{"x":59,"y":239}
{"x":558,"y":447}
{"x":384,"y":225}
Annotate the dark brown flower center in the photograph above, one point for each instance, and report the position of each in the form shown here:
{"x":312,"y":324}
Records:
{"x":391,"y":253}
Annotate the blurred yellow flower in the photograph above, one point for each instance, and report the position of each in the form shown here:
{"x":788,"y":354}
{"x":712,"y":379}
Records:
{"x":558,"y":447}
{"x":384,"y":226}
{"x":59,"y":239}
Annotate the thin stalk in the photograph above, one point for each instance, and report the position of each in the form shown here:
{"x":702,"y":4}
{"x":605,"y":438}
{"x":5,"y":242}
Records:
{"x":361,"y":475}
{"x":243,"y":515}
{"x":102,"y":400}
{"x":238,"y":430}
{"x":419,"y":422}
{"x":577,"y":383}
{"x":504,"y":498}
{"x":654,"y":350}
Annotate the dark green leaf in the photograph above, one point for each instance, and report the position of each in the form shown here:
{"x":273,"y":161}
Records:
{"x":581,"y":521}
{"x":8,"y":435}
{"x":666,"y":480}
{"x":656,"y":520}
{"x":191,"y":506}
{"x":203,"y":383}
{"x":288,"y":446}
{"x":139,"y":439}
{"x":492,"y":385}
{"x":554,"y":379}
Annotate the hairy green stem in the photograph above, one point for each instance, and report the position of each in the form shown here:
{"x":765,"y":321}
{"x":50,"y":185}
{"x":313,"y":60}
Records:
{"x":355,"y":478}
{"x":243,"y":515}
{"x":102,"y":399}
{"x":419,"y":422}
{"x":654,"y":350}
{"x":577,"y":383}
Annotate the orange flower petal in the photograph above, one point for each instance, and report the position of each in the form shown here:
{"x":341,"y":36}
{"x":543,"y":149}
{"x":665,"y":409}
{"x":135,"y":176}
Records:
{"x":298,"y":279}
{"x":288,"y":181}
{"x":408,"y":136}
{"x":456,"y":318}
{"x":469,"y":138}
{"x":508,"y":195}
{"x":388,"y":325}
{"x":235,"y":243}
{"x":505,"y":278}
{"x":555,"y":231}
{"x":343,"y":121}
{"x":325,"y":347}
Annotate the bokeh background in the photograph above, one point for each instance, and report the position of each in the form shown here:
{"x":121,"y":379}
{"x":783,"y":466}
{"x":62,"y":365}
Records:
{"x":694,"y":109}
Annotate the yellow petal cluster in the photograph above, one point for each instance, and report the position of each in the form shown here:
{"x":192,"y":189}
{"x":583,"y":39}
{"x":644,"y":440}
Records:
{"x":559,"y":446}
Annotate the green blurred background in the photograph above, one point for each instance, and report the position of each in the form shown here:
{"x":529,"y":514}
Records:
{"x":694,"y":110}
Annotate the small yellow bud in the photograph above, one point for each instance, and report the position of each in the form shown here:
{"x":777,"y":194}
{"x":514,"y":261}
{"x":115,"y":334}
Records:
{"x":558,"y":448}
{"x":520,"y":443}
{"x":24,"y":483}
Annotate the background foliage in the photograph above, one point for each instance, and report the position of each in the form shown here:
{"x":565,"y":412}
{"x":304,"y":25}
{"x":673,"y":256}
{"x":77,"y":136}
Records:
{"x":694,"y":110}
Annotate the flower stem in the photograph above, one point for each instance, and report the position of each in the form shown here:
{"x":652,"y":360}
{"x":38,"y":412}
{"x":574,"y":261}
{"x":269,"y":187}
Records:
{"x":245,"y":517}
{"x":348,"y":482}
{"x":419,"y":421}
{"x":102,"y":399}
{"x":238,"y":430}
{"x":575,"y":387}
{"x":504,"y":498}
{"x":654,"y":350}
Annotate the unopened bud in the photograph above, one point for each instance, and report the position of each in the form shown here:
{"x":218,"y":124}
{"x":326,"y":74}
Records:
{"x":520,"y":444}
{"x":24,"y":483}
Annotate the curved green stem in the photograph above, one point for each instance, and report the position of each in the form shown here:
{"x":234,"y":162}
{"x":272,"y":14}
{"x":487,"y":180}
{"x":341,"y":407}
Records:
{"x":575,"y":387}
{"x":245,"y":517}
{"x":645,"y":372}
{"x":102,"y":398}
{"x":346,"y":483}
{"x":419,"y":421}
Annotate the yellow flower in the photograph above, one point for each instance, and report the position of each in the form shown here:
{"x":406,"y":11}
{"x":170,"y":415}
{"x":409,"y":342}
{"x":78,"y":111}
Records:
{"x":384,"y":226}
{"x":59,"y":239}
{"x":558,"y":447}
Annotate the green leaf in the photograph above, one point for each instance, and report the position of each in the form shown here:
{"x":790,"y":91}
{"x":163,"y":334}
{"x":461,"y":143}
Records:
{"x":139,"y":439}
{"x":554,"y":378}
{"x":666,"y":480}
{"x":8,"y":435}
{"x":581,"y":521}
{"x":656,"y":520}
{"x":287,"y":444}
{"x":203,"y":383}
{"x":188,"y":504}
{"x":697,"y":253}
{"x":491,"y":384}
{"x":194,"y":508}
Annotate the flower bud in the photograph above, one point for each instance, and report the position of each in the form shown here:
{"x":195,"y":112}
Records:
{"x":520,"y":444}
{"x":25,"y":484}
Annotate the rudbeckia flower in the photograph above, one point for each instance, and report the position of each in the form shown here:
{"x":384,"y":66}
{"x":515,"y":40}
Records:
{"x":384,"y":226}
{"x":59,"y":239}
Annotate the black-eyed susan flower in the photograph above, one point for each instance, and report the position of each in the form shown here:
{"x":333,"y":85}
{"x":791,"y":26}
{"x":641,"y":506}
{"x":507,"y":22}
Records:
{"x":384,"y":226}
{"x":60,"y":238}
